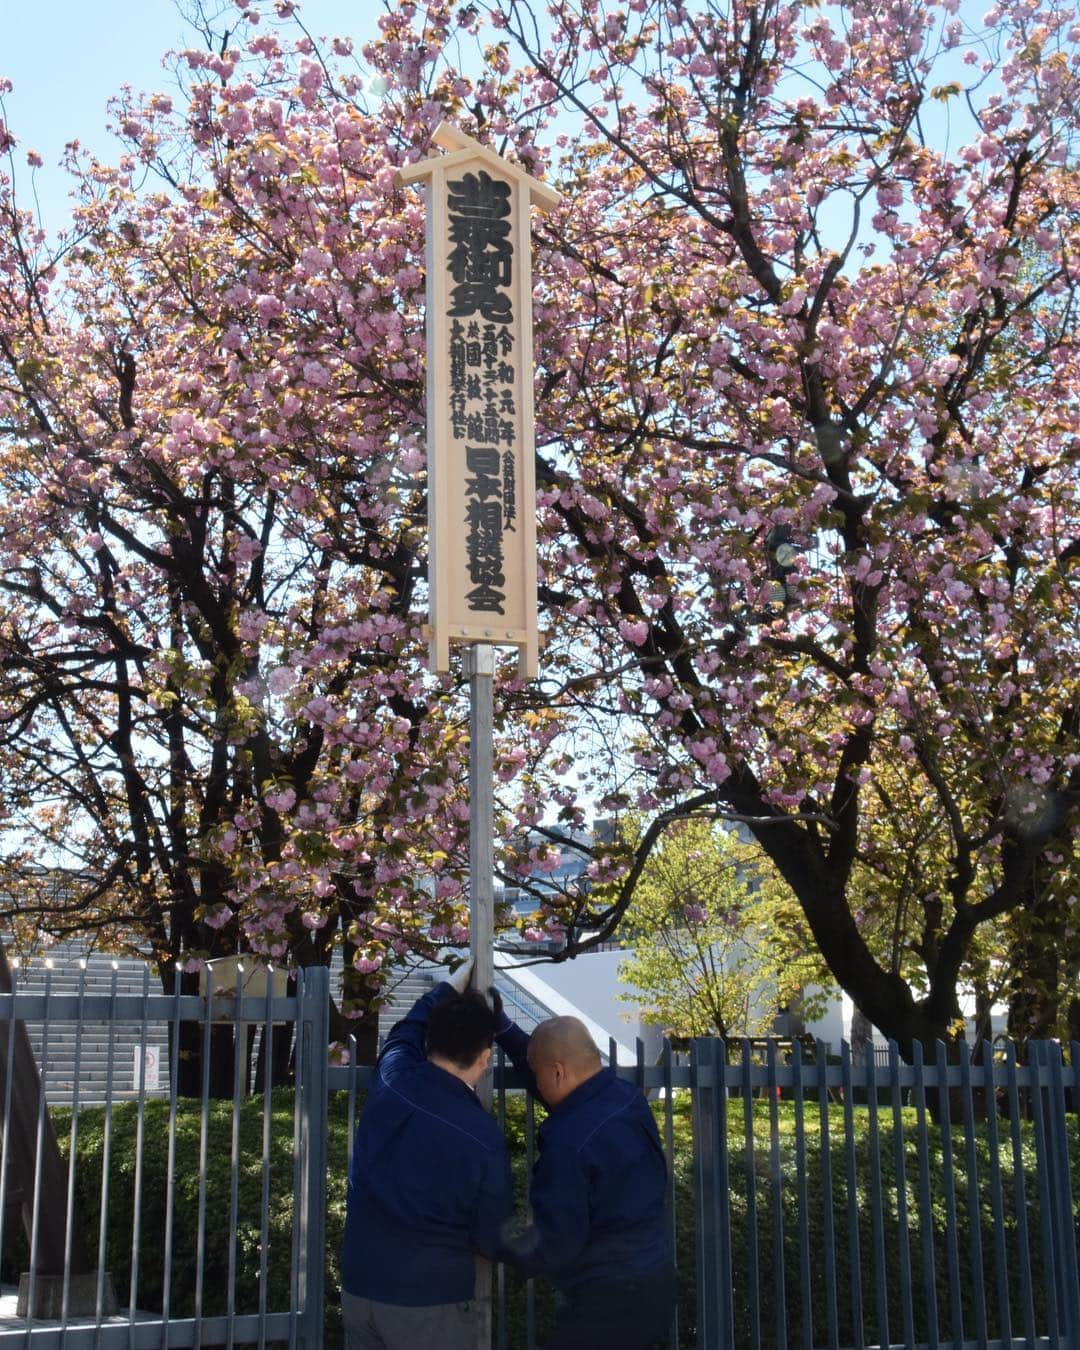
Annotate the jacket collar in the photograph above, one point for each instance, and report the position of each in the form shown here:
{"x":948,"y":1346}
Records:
{"x":584,"y":1092}
{"x":448,"y":1082}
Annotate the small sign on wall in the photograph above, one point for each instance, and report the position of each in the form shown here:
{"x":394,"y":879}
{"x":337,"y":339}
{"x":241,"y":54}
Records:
{"x":147,"y":1068}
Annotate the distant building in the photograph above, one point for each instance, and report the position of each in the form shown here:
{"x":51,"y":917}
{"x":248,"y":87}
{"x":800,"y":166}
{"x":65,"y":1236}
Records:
{"x":566,"y":879}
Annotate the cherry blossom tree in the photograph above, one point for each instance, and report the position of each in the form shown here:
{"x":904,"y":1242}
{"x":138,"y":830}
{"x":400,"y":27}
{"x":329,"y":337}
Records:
{"x":807,"y":444}
{"x":812,"y":443}
{"x":212,"y":708}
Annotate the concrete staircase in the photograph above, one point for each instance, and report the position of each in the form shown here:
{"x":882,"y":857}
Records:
{"x":520,"y":1006}
{"x":403,"y":992}
{"x":94,"y":1041}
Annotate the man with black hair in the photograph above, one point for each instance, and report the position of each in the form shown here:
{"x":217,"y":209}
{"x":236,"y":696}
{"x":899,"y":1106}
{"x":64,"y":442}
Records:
{"x":429,"y":1185}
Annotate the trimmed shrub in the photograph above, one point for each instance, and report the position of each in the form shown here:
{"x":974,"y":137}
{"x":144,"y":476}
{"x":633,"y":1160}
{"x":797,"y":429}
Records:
{"x":757,"y":1167}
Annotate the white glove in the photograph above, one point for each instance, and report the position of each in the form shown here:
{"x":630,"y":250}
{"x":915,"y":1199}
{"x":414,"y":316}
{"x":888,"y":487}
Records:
{"x":459,"y":980}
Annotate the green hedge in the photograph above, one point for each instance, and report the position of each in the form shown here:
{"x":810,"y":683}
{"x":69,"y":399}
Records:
{"x":970,"y":1293}
{"x":151,"y":1243}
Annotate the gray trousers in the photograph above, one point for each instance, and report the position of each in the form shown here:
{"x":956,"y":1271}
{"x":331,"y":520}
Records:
{"x":388,"y":1326}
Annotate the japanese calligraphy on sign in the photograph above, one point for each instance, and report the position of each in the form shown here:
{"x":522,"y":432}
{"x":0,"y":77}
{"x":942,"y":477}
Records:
{"x":482,"y":560}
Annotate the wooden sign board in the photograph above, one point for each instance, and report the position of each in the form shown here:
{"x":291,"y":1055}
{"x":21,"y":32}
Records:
{"x":481,"y":482}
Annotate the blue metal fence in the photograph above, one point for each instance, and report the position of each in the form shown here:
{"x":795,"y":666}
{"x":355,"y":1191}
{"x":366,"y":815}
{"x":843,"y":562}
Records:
{"x":932,"y":1204}
{"x":182,"y":1291}
{"x":814,"y":1202}
{"x":848,"y":1206}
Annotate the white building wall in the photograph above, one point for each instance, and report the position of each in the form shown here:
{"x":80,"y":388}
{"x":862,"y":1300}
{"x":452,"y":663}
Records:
{"x":589,"y":987}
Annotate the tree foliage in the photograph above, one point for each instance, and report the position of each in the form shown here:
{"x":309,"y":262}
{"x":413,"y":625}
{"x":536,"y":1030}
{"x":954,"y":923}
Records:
{"x":719,"y":945}
{"x":801,"y":310}
{"x":210,"y":523}
{"x":807,"y":452}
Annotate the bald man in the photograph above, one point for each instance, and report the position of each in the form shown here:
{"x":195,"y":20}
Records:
{"x":597,"y":1193}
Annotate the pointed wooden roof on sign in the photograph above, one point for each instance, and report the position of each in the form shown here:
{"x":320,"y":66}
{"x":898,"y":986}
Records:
{"x":462,"y":150}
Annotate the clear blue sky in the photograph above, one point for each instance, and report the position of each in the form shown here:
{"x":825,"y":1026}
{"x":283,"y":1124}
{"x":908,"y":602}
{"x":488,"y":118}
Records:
{"x":67,"y":57}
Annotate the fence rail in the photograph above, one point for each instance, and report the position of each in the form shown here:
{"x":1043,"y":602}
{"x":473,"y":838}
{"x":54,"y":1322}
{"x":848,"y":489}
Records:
{"x":929,"y":1204}
{"x":842,"y":1205}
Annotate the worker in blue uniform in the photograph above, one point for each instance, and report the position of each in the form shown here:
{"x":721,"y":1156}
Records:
{"x":599,"y":1228}
{"x":429,"y":1184}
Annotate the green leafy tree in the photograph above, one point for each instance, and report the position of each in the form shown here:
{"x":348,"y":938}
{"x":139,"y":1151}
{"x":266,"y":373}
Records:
{"x":720,"y":943}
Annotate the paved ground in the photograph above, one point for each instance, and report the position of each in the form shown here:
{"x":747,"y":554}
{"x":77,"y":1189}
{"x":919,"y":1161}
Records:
{"x":10,"y":1321}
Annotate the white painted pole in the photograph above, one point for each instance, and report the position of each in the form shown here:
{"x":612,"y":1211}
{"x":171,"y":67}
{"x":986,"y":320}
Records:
{"x":480,"y":666}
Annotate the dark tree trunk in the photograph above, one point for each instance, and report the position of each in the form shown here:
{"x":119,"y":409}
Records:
{"x":364,"y":1030}
{"x":882,"y":996}
{"x":189,"y":1072}
{"x":357,"y":996}
{"x":984,"y":1004}
{"x":1073,"y":1019}
{"x":1034,"y":997}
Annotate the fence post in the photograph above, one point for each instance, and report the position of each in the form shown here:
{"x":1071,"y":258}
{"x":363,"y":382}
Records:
{"x":1046,"y":1055}
{"x":706,"y":1096}
{"x":313,"y":1015}
{"x":1069,"y":1265}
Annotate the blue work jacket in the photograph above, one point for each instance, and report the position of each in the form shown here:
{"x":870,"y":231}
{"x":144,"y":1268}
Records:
{"x":598,"y":1186}
{"x":429,"y":1185}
